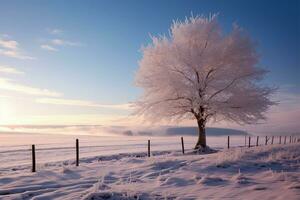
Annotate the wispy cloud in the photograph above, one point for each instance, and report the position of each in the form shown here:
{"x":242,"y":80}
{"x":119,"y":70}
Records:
{"x":60,"y":42}
{"x":54,"y":44}
{"x":55,"y":31}
{"x":48,"y":47}
{"x":9,"y":44}
{"x":10,"y":48}
{"x":10,"y":85}
{"x":9,"y":70}
{"x":15,"y":54}
{"x":75,"y":102}
{"x":65,"y":119}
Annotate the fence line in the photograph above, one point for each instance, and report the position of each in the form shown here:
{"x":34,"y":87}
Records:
{"x":292,"y":140}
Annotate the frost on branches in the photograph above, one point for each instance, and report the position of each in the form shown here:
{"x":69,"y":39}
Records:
{"x":197,"y":72}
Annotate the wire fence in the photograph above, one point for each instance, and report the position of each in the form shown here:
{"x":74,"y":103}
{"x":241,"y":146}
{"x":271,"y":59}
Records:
{"x":78,"y":151}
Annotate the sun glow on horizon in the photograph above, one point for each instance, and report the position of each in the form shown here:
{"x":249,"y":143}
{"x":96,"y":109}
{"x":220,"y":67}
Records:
{"x":7,"y":114}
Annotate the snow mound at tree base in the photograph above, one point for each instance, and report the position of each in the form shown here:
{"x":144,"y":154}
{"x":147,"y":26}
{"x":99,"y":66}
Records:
{"x":110,"y":195}
{"x":204,"y":150}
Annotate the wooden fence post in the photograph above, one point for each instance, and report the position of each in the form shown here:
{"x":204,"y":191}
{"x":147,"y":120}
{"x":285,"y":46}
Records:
{"x":148,"y":148}
{"x":182,"y":145}
{"x":290,"y":139}
{"x":228,"y":142}
{"x":257,"y":138}
{"x":272,"y":140}
{"x":284,"y":139}
{"x":249,"y":145}
{"x":33,"y":158}
{"x":266,"y":140}
{"x":77,"y":152}
{"x":279,"y":139}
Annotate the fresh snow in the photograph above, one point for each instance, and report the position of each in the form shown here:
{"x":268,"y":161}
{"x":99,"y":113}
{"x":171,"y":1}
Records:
{"x":264,"y":172}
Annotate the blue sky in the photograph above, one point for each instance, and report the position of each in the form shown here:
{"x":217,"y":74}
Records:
{"x":88,"y":51}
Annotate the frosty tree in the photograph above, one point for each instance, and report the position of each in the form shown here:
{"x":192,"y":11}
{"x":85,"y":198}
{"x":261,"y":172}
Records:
{"x":197,"y":72}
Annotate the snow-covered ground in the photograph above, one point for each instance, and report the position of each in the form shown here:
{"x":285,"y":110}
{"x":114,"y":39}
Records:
{"x":264,"y":172}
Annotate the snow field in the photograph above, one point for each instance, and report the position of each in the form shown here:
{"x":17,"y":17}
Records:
{"x":265,"y":172}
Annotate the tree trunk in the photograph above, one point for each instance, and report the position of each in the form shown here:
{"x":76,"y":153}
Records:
{"x":201,"y":143}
